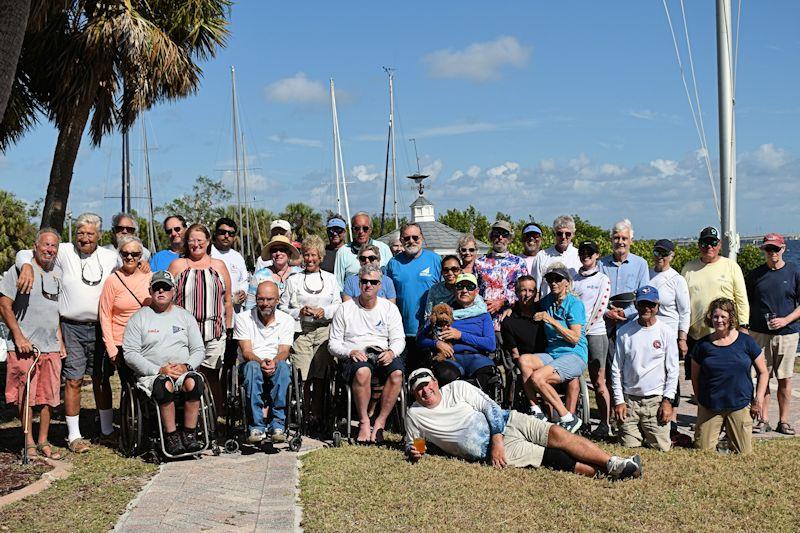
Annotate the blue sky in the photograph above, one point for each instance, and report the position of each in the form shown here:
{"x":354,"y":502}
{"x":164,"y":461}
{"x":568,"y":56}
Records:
{"x":536,"y":108}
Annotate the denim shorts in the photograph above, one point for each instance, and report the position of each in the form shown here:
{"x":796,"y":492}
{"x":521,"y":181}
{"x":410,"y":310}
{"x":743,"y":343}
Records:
{"x":569,"y":366}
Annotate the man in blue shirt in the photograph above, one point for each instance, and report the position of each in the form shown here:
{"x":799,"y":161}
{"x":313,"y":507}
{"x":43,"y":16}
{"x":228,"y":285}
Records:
{"x":413,"y":271}
{"x":627,"y":272}
{"x":174,"y":227}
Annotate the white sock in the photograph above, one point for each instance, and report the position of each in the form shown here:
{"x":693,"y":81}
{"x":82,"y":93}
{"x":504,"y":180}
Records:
{"x":106,"y":421}
{"x":535,"y":409}
{"x":72,"y":428}
{"x":566,"y":418}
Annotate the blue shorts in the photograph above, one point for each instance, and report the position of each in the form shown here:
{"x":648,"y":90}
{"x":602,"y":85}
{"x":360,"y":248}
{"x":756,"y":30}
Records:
{"x":350,"y":367}
{"x":569,"y":366}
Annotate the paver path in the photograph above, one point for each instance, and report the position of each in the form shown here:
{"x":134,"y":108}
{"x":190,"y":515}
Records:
{"x":232,"y":492}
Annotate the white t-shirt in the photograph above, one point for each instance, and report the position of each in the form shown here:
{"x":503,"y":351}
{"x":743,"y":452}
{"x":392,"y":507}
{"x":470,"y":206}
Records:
{"x":356,"y":328}
{"x":237,"y":268}
{"x":300,"y":292}
{"x":645,"y":361}
{"x":594,"y":291}
{"x":673,"y":297}
{"x":547,"y":257}
{"x":79,"y":299}
{"x":265,"y":339}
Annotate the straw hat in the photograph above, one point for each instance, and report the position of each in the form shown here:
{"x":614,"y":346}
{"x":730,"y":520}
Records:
{"x":282,"y":241}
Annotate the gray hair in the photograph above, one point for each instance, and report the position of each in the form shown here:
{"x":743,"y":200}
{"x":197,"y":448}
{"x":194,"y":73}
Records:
{"x":370,"y":248}
{"x":127,"y":239}
{"x":623,"y":225}
{"x":361,"y":214}
{"x":89,"y":219}
{"x":45,"y":231}
{"x":564,"y":221}
{"x":411,"y":225}
{"x":467,"y":237}
{"x":369,"y":269}
{"x":559,"y":264}
{"x":394,"y":236}
{"x":119,"y":216}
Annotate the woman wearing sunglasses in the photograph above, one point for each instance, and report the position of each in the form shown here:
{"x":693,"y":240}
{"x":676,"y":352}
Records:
{"x":369,"y":254}
{"x":444,"y":291}
{"x":125,"y":292}
{"x":282,"y":254}
{"x":468,"y":253}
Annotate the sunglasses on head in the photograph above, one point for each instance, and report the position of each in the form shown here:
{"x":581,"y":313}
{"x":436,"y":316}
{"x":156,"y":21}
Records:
{"x":124,"y":229}
{"x":564,"y":234}
{"x":466,"y":285}
{"x":451,"y":269}
{"x":373,"y":282}
{"x":370,"y":258}
{"x":407,"y":238}
{"x":135,"y":255}
{"x":465,"y":250}
{"x":176,"y":229}
{"x":771,"y":249}
{"x":158,"y":287}
{"x":228,"y":232}
{"x":361,"y":228}
{"x":709,"y":243}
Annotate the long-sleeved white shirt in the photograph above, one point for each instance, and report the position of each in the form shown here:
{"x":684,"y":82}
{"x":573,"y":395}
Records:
{"x":300,"y":292}
{"x":645,"y":361}
{"x":355,"y":327}
{"x":594,"y":290}
{"x":673,"y":295}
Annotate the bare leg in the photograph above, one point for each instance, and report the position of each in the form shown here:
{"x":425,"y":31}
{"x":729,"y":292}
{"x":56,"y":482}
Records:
{"x":191,"y":408}
{"x":767,"y":399}
{"x":587,"y":453}
{"x":72,"y":397}
{"x":168,"y":411}
{"x":102,"y":392}
{"x":44,"y":423}
{"x":543,"y":379}
{"x":598,"y":376}
{"x":23,"y":404}
{"x":784,"y":398}
{"x":571,"y":397}
{"x":362,"y":390}
{"x":391,"y":390}
{"x":528,"y":364}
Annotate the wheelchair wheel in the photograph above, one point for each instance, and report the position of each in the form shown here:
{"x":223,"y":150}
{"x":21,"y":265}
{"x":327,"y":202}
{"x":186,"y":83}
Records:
{"x":294,"y":406}
{"x":234,"y":423}
{"x":295,"y":443}
{"x":208,"y":414}
{"x":337,"y":439}
{"x":582,"y":410}
{"x":133,"y":433}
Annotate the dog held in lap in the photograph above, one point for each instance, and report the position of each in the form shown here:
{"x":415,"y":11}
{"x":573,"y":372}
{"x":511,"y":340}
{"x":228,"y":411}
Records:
{"x":441,"y":319}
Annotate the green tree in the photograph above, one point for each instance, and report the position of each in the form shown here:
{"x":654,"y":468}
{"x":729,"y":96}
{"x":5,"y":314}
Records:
{"x":109,"y":59}
{"x":12,"y":33}
{"x":204,"y":205}
{"x":16,"y":230}
{"x":304,"y":219}
{"x":469,"y":220}
{"x":388,"y":225}
{"x":749,"y":258}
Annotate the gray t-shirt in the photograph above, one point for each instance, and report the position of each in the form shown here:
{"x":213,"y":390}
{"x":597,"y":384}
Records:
{"x":153,"y":340}
{"x":37,"y":312}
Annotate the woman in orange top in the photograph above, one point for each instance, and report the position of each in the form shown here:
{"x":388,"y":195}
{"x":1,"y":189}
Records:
{"x":124,"y":293}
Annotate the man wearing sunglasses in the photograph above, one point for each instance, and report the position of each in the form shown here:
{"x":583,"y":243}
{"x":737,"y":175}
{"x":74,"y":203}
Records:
{"x":414,"y":271}
{"x":85,"y":268}
{"x":174,"y":227}
{"x":347,"y":257}
{"x":497,"y":272}
{"x":561,"y":252}
{"x":708,"y":278}
{"x":773,"y":290}
{"x":225,"y":231}
{"x":531,"y":244}
{"x":336,"y":228}
{"x":126,"y":224}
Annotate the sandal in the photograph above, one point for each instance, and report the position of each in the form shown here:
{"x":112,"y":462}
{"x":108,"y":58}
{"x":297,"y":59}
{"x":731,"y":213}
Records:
{"x":79,"y":446}
{"x":31,"y":447}
{"x":785,"y":428}
{"x":378,"y":436}
{"x":46,"y":449}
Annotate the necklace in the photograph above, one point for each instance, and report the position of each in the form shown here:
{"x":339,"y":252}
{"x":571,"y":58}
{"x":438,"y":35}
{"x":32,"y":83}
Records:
{"x":310,"y":291}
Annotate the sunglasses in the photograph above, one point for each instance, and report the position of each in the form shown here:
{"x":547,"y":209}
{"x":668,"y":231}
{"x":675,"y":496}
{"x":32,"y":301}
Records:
{"x":280,"y":251}
{"x":135,"y":255}
{"x":467,"y":250}
{"x":451,"y":269}
{"x":657,"y":252}
{"x":564,"y":234}
{"x":408,"y":238}
{"x":466,"y":285}
{"x":373,"y":282}
{"x":161,"y":287}
{"x":52,"y":296}
{"x":336,"y":230}
{"x":532,"y":236}
{"x":124,"y":229}
{"x":771,"y":249}
{"x":709,"y":243}
{"x":91,"y":282}
{"x":647,"y":303}
{"x":361,"y":228}
{"x":176,"y":229}
{"x":554,"y":279}
{"x":500,"y":233}
{"x":228,"y":232}
{"x":365,"y":258}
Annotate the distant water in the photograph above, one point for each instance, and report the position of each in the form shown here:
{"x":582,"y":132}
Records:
{"x":792,"y":252}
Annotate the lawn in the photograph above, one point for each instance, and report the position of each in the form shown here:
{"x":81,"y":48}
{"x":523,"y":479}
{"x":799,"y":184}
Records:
{"x":680,"y":490}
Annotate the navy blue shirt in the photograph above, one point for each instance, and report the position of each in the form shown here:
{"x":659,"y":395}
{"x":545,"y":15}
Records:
{"x":725,"y":381}
{"x":773,"y":291}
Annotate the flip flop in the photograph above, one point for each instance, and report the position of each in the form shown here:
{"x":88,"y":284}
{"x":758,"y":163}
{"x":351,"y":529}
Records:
{"x":49,"y":454}
{"x":378,"y":436}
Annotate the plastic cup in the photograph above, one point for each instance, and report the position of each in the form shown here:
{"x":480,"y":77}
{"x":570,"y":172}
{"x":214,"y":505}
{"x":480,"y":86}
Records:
{"x":419,"y":445}
{"x":768,"y":317}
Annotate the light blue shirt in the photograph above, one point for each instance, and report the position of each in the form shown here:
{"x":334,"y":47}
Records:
{"x":352,"y":288}
{"x":626,"y":276}
{"x":571,"y":311}
{"x":413,"y":277}
{"x":161,"y":260}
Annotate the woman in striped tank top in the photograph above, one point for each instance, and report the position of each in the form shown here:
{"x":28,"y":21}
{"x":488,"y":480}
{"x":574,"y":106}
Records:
{"x":204,"y":289}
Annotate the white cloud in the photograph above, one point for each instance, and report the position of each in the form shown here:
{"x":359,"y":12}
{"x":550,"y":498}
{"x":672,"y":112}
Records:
{"x":473,"y":171}
{"x":433,"y":169}
{"x":479,"y":62}
{"x":459,"y":128}
{"x":608,"y":169}
{"x":457,"y":175}
{"x":547,"y":165}
{"x":296,"y":90}
{"x":768,"y":156}
{"x":364,"y":172}
{"x":296,"y":141}
{"x":649,"y":114}
{"x":665,"y":166}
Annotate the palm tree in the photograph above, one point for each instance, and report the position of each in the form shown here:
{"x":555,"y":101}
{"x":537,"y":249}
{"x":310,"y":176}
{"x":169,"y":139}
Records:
{"x":304,"y":219}
{"x":111,"y":59}
{"x":12,"y":32}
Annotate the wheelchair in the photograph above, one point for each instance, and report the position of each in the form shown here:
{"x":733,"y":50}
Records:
{"x":338,"y":406}
{"x":141,"y":429}
{"x":237,"y":416}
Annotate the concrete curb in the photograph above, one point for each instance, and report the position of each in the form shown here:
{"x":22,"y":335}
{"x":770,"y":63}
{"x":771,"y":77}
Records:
{"x":131,"y":504}
{"x":61,"y":469}
{"x":298,"y":507}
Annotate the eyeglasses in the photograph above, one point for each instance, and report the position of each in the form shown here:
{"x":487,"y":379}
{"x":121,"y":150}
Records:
{"x":135,"y":255}
{"x":91,"y":283}
{"x":467,"y":250}
{"x":709,"y":243}
{"x":365,"y":258}
{"x":194,"y":242}
{"x":228,"y":232}
{"x":176,"y":229}
{"x":771,"y":249}
{"x":52,"y":296}
{"x":500,"y":233}
{"x":373,"y":282}
{"x":415,"y":238}
{"x":451,"y":269}
{"x":563,"y":234}
{"x":161,"y":287}
{"x":335,"y":230}
{"x":124,"y":229}
{"x":658,"y":252}
{"x":554,"y":279}
{"x":358,"y":229}
{"x":466,"y":286}
{"x":532,"y":236}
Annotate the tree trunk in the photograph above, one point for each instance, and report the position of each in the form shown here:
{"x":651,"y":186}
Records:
{"x":69,"y":141}
{"x":13,"y":22}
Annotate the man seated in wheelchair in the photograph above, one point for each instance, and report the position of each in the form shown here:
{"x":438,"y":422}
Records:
{"x":460,"y":420}
{"x":459,"y":349}
{"x":163,"y":346}
{"x":367,"y":337}
{"x":265,"y":335}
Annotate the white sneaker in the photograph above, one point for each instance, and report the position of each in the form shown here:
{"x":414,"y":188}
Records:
{"x":278,"y":435}
{"x":572,"y":426}
{"x":619,"y":468}
{"x":256,"y":436}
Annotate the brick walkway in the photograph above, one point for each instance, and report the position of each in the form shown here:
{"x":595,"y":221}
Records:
{"x":232,"y":492}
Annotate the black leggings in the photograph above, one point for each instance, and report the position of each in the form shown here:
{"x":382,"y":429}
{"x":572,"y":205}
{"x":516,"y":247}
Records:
{"x":163,"y":395}
{"x":445,"y":373}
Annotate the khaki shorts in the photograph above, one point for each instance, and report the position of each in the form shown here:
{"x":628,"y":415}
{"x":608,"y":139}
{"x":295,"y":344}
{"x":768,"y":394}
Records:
{"x":525,"y":439}
{"x":215,"y":352}
{"x":779,"y":352}
{"x":310,"y":353}
{"x":641,"y":425}
{"x":738,"y":426}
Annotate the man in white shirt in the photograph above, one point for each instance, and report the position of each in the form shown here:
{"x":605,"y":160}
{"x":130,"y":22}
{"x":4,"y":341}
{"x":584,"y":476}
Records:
{"x":531,"y":244}
{"x":225,"y":231}
{"x":644,"y":375}
{"x":460,"y":420}
{"x":562,"y":252}
{"x":265,"y":335}
{"x":367,"y":336}
{"x":85,"y":268}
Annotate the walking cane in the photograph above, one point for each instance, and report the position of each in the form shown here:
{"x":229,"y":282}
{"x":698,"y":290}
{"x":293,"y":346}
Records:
{"x":25,"y":415}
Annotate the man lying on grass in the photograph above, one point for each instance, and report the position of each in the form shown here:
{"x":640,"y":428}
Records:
{"x":461,"y":420}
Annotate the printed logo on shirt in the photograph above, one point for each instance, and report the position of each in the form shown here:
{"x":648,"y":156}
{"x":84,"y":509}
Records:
{"x":425,"y":272}
{"x":176,"y":329}
{"x":153,"y":331}
{"x":657,"y":344}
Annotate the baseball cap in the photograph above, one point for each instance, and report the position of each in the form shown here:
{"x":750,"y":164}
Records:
{"x":420,"y":376}
{"x":561,"y":271}
{"x":332,"y":223}
{"x":773,"y":239}
{"x":531,"y":228}
{"x":162,"y":276}
{"x":665,"y":244}
{"x":647,"y":294}
{"x":588,"y":247}
{"x":708,"y":234}
{"x":466,"y":276}
{"x":282,"y":224}
{"x":504,"y":225}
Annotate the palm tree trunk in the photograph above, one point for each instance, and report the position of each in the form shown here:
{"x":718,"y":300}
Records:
{"x":13,"y":21}
{"x":69,"y":141}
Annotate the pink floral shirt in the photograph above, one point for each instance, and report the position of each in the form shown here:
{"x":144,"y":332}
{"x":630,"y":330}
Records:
{"x":497,"y":276}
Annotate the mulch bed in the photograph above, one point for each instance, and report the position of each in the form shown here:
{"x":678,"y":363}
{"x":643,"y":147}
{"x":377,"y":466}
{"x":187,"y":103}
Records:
{"x":14,"y":476}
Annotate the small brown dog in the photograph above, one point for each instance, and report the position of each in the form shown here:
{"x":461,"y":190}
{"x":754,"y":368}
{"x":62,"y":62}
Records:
{"x":441,"y":319}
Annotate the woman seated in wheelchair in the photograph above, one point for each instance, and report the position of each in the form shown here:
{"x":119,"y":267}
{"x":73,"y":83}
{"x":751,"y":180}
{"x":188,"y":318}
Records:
{"x":163,"y":346}
{"x":459,"y":348}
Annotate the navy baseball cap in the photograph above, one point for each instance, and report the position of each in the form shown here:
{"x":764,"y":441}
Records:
{"x":647,"y":294}
{"x":588,"y":247}
{"x":664,"y":244}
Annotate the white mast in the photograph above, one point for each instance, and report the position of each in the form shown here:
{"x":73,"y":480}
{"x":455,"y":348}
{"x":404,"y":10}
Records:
{"x":236,"y":150}
{"x":727,"y":132}
{"x":151,"y":230}
{"x":247,"y":207}
{"x":390,"y":72}
{"x":338,"y":163}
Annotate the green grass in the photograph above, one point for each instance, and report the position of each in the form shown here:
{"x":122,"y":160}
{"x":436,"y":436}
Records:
{"x":681,"y":490}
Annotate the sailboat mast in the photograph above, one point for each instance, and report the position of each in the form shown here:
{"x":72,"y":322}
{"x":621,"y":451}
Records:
{"x":246,"y":234}
{"x":727,"y":132}
{"x":236,"y":150}
{"x":340,"y":174}
{"x":335,"y":149}
{"x":126,"y":173}
{"x":151,"y":230}
{"x":394,"y":155}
